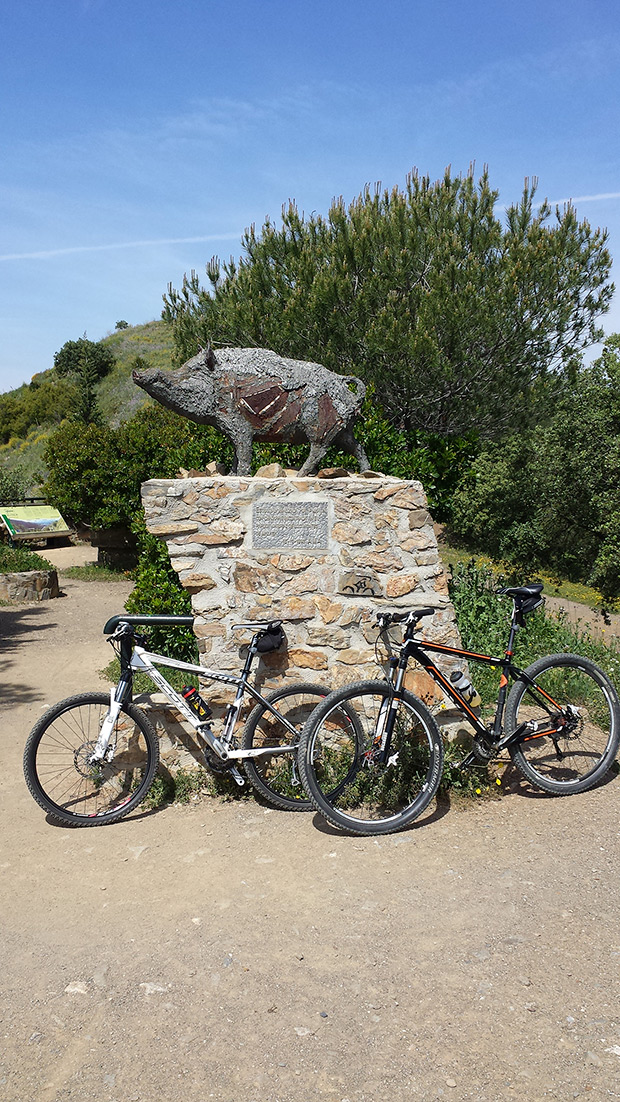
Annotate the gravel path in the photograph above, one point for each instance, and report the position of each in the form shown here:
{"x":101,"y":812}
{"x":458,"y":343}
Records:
{"x":224,"y":951}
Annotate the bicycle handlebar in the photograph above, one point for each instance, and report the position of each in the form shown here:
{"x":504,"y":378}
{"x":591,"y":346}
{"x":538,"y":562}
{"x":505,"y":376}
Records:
{"x":400,"y":617}
{"x":156,"y":621}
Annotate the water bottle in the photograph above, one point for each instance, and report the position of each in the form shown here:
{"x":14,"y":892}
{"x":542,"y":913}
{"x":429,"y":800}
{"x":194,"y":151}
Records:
{"x":463,"y":685}
{"x":196,"y":703}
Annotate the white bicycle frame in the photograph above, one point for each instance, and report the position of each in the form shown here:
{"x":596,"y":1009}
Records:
{"x":143,"y":661}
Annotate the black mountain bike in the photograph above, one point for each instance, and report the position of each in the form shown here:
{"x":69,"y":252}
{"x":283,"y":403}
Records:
{"x":371,"y":754}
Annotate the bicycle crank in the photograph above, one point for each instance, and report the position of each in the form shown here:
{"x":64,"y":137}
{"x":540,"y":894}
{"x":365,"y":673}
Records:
{"x":216,"y":765}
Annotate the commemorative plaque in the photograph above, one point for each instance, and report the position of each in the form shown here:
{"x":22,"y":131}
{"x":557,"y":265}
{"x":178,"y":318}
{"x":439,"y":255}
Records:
{"x":293,"y":525}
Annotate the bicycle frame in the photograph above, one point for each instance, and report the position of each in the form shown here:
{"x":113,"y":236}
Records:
{"x":417,"y":648}
{"x":134,"y":657}
{"x":144,"y":660}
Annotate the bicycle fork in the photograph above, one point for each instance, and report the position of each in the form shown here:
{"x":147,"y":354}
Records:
{"x":103,"y":751}
{"x":379,"y":750}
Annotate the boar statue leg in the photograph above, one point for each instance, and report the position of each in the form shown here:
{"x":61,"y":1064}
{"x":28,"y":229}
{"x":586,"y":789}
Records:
{"x":315,"y":455}
{"x":242,"y":463}
{"x":347,"y":442}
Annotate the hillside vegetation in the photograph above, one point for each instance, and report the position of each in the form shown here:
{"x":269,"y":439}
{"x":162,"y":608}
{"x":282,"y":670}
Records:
{"x":32,"y":412}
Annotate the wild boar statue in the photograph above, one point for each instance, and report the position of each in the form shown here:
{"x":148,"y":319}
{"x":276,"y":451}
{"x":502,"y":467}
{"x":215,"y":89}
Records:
{"x":253,"y":394}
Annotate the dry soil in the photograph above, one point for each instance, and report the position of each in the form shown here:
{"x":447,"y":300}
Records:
{"x":224,"y":951}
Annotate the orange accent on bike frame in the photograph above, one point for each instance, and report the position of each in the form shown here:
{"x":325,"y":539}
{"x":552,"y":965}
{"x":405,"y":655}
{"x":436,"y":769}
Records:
{"x":441,"y":649}
{"x":503,"y":681}
{"x":541,"y":734}
{"x":547,"y":697}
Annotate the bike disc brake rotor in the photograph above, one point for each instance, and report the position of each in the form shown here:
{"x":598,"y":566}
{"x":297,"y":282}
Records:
{"x":82,"y":760}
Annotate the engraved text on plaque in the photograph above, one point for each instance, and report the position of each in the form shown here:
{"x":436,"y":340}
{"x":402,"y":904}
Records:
{"x":294,"y":525}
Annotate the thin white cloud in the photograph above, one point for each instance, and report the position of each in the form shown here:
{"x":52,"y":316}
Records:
{"x":586,"y":198}
{"x":47,"y":254}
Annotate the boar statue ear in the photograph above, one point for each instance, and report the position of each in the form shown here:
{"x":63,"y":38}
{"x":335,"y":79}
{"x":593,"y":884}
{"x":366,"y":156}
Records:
{"x":210,"y":360}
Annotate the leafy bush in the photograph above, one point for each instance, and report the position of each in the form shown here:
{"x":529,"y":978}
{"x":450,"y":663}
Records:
{"x":550,"y":497}
{"x":47,"y":400}
{"x":95,"y":472}
{"x":158,"y":592}
{"x":14,"y":484}
{"x":75,"y":355}
{"x":15,"y":559}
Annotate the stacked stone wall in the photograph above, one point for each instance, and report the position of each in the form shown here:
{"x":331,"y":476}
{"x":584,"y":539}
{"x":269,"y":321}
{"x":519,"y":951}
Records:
{"x":323,"y":555}
{"x":29,"y":585}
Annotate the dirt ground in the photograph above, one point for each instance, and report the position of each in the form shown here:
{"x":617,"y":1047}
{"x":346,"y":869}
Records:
{"x":224,"y":951}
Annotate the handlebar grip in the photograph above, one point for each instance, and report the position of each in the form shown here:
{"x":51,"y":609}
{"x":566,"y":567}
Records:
{"x":157,"y":621}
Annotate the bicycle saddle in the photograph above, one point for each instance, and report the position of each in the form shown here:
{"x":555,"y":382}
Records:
{"x":522,"y":592}
{"x":525,"y":597}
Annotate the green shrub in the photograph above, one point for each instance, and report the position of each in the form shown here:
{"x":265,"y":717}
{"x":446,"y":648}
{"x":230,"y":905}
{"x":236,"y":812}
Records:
{"x":75,"y":356}
{"x":95,"y":472}
{"x":13,"y":560}
{"x":157,"y":592}
{"x":14,"y":484}
{"x":549,"y":497}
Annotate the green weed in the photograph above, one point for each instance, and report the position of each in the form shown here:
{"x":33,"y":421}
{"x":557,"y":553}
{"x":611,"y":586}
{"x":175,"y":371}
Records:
{"x":13,"y":560}
{"x":94,"y":572}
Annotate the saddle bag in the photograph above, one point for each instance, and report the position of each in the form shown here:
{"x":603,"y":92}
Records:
{"x":271,"y":638}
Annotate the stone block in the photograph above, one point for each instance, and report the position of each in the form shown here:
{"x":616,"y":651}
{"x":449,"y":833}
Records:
{"x":29,"y":585}
{"x":402,"y":584}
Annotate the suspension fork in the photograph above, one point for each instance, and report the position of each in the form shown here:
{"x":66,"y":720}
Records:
{"x":121,"y":694}
{"x":387,"y":713}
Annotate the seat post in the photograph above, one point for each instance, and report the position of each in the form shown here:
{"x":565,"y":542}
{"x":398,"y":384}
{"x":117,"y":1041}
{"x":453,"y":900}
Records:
{"x":249,"y":658}
{"x":514,"y":627}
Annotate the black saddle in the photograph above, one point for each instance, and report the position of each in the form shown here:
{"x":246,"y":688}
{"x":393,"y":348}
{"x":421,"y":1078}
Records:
{"x":526,"y":597}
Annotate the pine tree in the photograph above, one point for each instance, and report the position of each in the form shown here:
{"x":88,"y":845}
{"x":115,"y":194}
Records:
{"x":460,"y":321}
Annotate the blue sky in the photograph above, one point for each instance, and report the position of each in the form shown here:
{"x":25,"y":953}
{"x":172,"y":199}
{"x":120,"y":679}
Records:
{"x":138,"y":139}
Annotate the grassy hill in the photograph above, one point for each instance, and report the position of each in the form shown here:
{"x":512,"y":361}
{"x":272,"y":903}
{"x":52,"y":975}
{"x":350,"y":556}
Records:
{"x":118,"y":396}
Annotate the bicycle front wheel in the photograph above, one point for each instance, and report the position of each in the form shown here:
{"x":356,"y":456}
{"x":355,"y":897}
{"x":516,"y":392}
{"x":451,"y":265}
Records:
{"x":60,"y":774}
{"x":574,"y":716}
{"x":275,"y":775}
{"x":340,"y":759}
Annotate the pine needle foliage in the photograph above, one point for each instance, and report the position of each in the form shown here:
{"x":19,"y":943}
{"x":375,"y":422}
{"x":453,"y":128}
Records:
{"x":455,"y":315}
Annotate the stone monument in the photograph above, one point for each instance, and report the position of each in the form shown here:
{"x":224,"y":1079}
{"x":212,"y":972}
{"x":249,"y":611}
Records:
{"x":322,"y":554}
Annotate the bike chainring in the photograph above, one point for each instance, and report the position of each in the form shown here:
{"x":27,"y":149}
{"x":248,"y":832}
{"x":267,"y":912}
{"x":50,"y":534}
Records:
{"x":214,"y":761}
{"x":483,"y":754}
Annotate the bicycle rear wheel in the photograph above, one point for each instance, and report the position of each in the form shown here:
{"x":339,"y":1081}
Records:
{"x":60,"y":775}
{"x":341,"y":768}
{"x":275,"y":776}
{"x":576,"y":716}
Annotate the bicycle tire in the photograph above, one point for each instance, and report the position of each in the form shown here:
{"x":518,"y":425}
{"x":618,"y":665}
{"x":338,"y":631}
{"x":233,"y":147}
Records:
{"x":579,"y":756}
{"x":345,"y":785}
{"x":275,"y":777}
{"x":56,"y":761}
